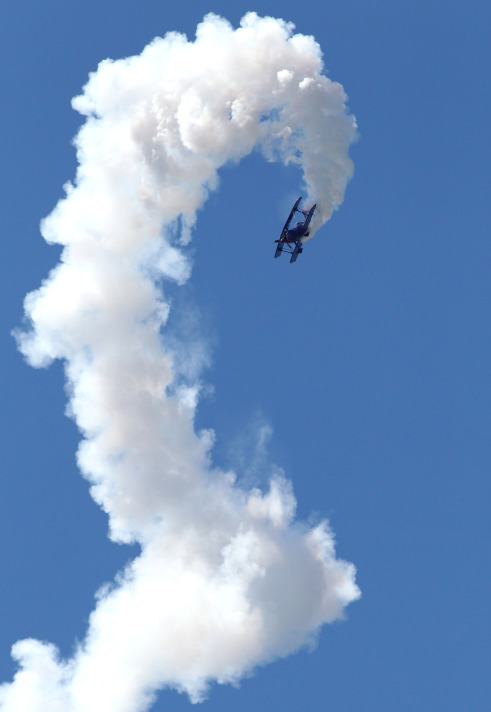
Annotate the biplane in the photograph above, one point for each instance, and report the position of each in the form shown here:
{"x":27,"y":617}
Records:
{"x":291,"y":238}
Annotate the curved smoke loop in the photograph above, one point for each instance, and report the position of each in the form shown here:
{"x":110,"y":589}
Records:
{"x":226,"y":579}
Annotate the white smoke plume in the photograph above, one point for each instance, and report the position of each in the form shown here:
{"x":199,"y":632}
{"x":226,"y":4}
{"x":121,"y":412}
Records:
{"x":227,"y":579}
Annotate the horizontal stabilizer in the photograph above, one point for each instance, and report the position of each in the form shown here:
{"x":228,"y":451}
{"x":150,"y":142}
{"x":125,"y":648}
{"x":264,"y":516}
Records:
{"x":295,"y":253}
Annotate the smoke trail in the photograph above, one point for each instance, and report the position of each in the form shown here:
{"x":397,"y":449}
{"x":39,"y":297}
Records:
{"x":226,"y":579}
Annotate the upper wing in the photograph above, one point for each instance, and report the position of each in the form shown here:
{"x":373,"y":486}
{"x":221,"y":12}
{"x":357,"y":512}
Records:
{"x":308,"y":219}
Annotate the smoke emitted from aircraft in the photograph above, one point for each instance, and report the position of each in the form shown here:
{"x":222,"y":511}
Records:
{"x":227,"y":578}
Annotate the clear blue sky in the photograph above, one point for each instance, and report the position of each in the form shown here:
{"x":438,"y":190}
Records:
{"x":370,"y":357}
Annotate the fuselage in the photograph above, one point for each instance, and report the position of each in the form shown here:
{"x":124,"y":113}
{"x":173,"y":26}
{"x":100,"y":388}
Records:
{"x":296,"y":232}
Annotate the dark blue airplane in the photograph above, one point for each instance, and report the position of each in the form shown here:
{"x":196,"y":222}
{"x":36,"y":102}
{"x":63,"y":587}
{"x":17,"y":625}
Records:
{"x":295,"y":235}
